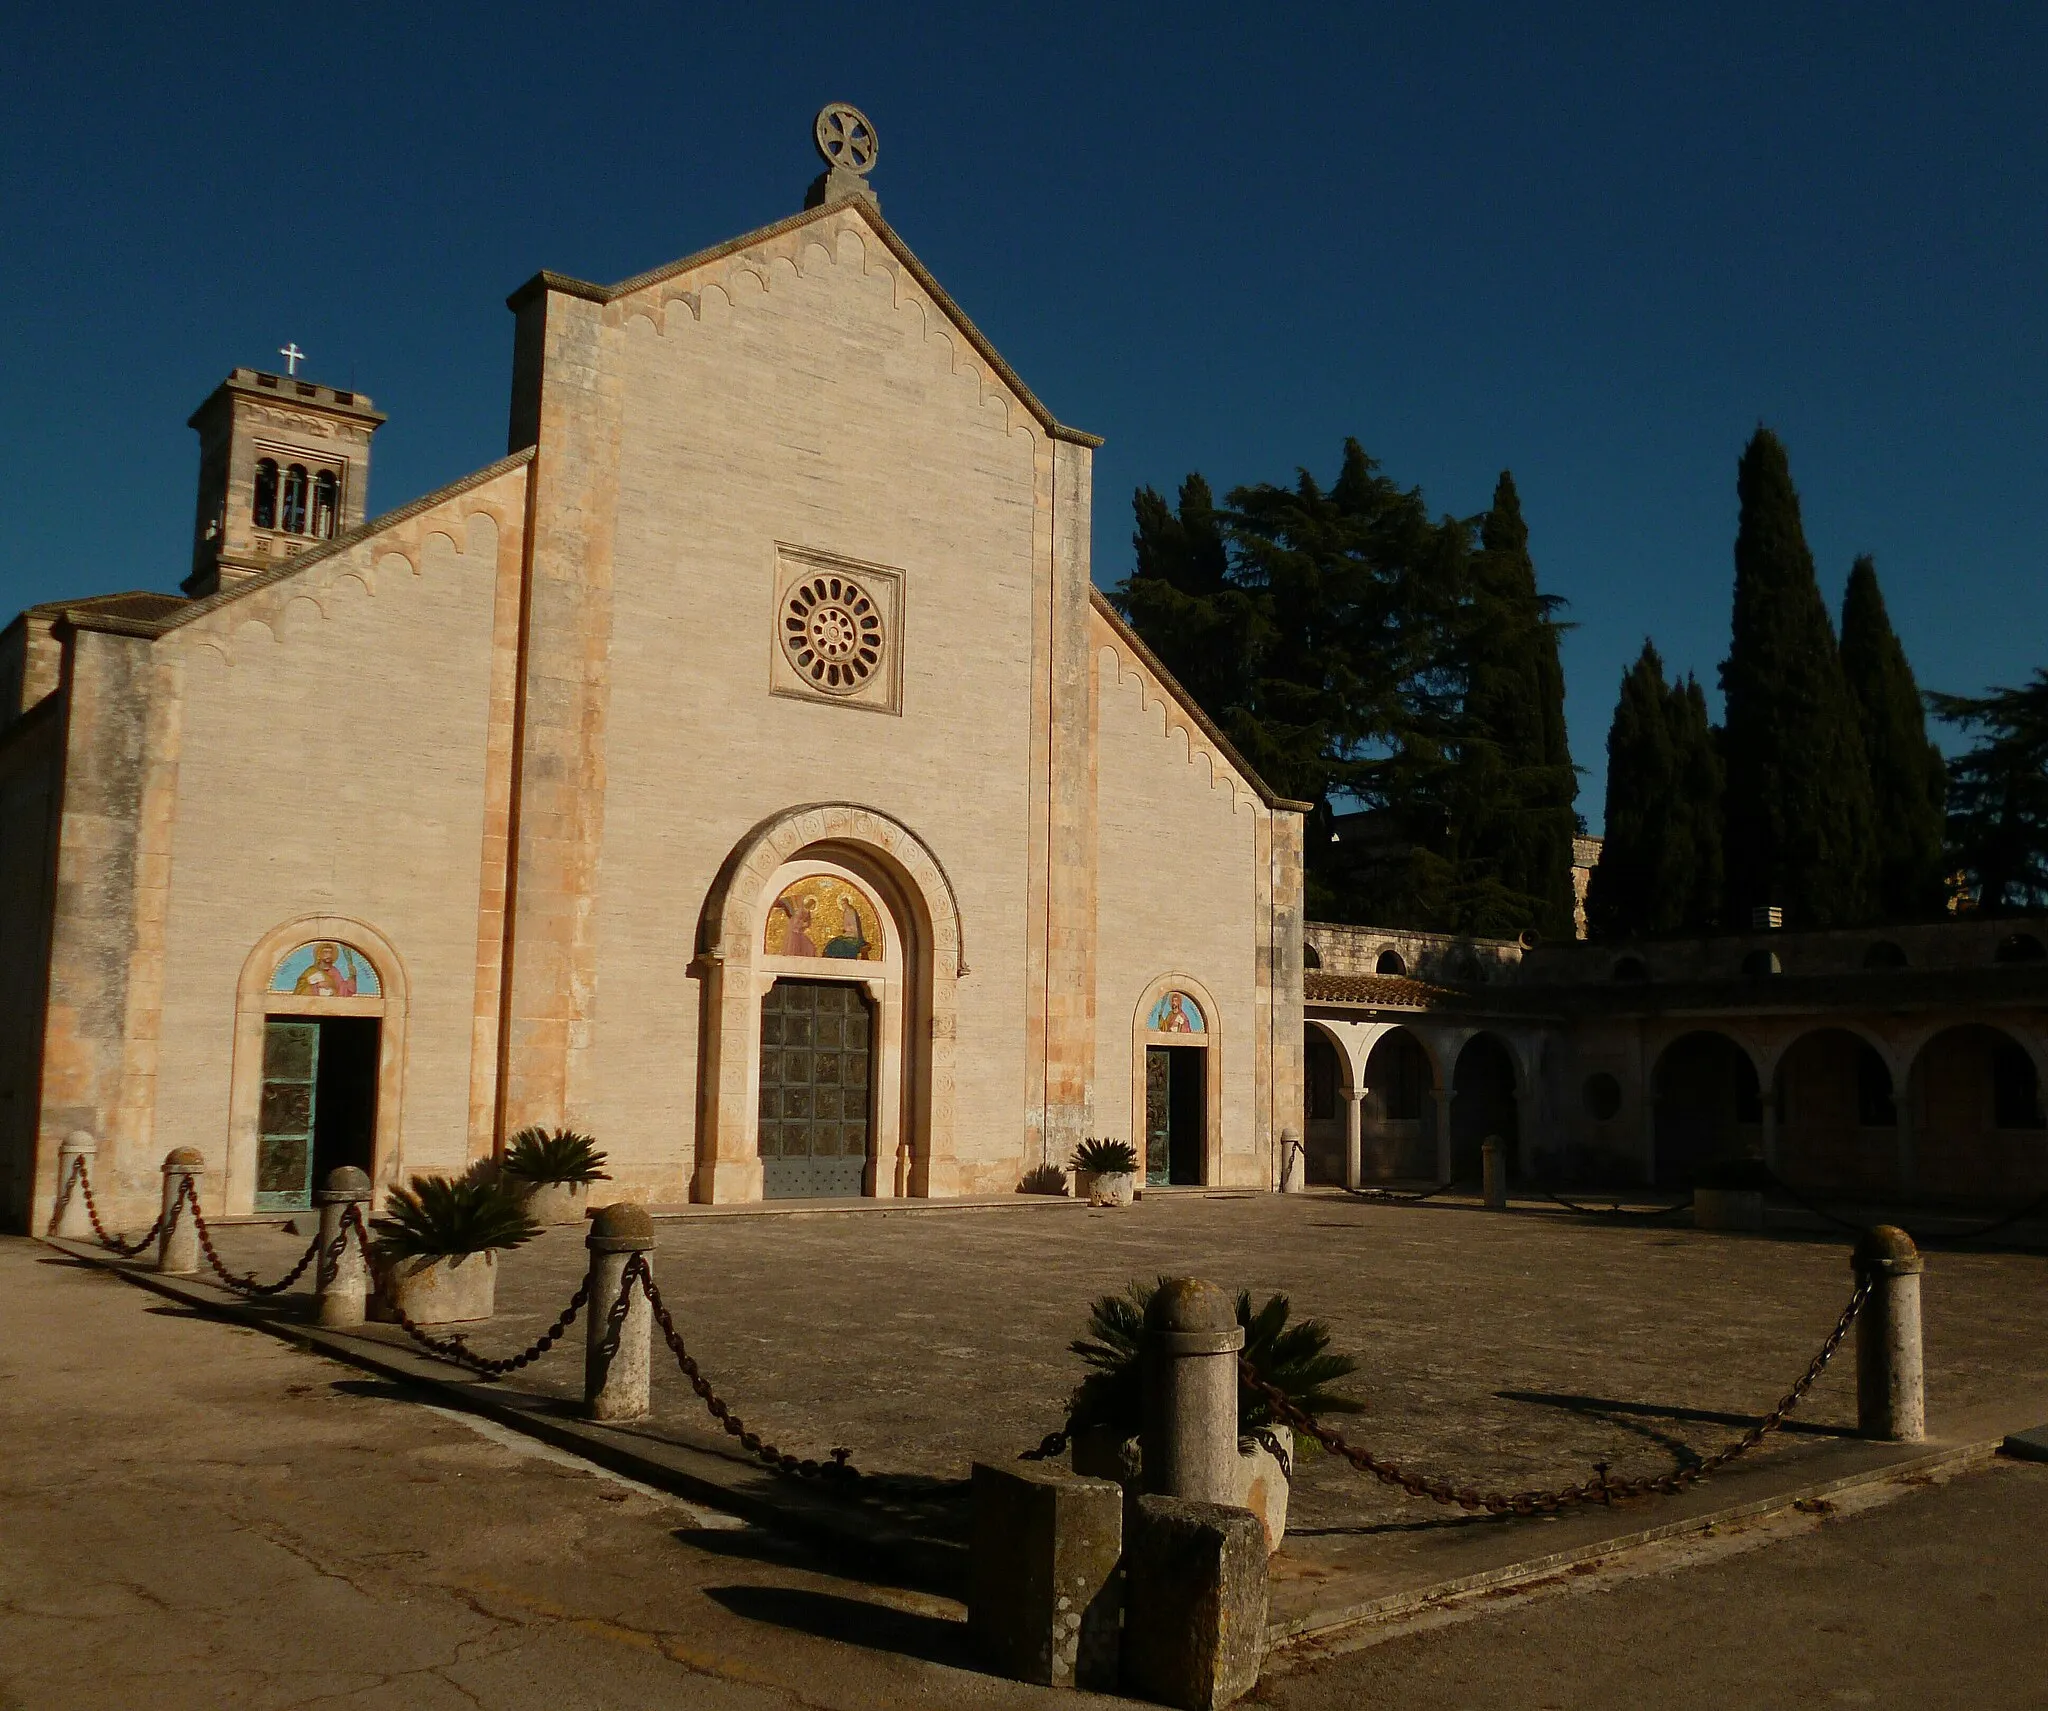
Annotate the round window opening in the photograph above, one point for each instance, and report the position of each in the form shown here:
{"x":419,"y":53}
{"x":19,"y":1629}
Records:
{"x":832,"y":633}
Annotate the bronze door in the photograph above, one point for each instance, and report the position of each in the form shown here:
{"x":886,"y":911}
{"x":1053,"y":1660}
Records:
{"x":817,"y":1089}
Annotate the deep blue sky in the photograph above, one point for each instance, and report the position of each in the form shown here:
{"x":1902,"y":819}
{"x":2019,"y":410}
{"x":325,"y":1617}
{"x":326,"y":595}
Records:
{"x":1593,"y":244}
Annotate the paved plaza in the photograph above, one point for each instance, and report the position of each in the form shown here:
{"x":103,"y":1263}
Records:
{"x":1507,"y":1350}
{"x":198,"y":1515}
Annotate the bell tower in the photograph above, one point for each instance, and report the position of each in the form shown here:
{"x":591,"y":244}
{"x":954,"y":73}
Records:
{"x":284,"y":464}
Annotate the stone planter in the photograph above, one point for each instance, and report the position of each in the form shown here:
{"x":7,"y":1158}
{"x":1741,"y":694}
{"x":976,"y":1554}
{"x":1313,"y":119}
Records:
{"x":441,"y":1289}
{"x":1262,"y":1482}
{"x":1727,"y":1209}
{"x":1106,"y":1188}
{"x":1099,"y":1452}
{"x":555,"y":1202}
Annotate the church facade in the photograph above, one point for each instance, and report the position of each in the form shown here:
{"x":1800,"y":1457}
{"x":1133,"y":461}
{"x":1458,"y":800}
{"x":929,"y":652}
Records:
{"x":743,"y":770}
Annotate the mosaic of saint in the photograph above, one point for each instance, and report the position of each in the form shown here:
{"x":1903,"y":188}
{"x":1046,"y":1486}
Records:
{"x":326,"y":968}
{"x":824,"y":917}
{"x":1176,"y":1013}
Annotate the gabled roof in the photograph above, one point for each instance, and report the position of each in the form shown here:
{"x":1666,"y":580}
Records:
{"x":583,"y":288}
{"x":1209,"y":728}
{"x":172,"y":610}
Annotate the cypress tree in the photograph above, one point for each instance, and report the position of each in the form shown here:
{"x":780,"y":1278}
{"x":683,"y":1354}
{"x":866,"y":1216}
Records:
{"x":1516,"y":820}
{"x":1908,"y":782}
{"x":1699,"y":801}
{"x":1798,"y":823}
{"x":1660,"y":868}
{"x":1181,"y":599}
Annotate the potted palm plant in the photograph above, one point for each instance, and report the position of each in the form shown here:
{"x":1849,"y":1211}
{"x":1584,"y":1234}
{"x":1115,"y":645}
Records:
{"x":1105,"y":1172}
{"x":435,"y":1249}
{"x":1107,"y":1410}
{"x":552,"y":1171}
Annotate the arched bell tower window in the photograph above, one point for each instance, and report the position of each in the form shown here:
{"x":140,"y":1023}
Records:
{"x":326,"y":501}
{"x":263,"y":513}
{"x":294,"y":520}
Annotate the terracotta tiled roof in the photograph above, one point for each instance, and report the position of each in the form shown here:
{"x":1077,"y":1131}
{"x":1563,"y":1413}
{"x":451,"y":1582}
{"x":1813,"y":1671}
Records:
{"x":139,"y":604}
{"x":1394,"y":990}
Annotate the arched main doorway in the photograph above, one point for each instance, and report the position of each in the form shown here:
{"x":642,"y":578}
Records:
{"x":1483,"y":1104}
{"x":319,"y":1063}
{"x":830,"y":952}
{"x":1708,"y":1106}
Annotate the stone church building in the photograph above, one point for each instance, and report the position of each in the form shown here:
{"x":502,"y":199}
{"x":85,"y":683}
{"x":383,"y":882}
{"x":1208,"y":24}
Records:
{"x":744,"y":769}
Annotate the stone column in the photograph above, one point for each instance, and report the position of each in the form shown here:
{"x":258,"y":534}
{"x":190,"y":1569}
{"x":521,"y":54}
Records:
{"x":73,"y":1223}
{"x":1189,"y":1351}
{"x":177,"y":1248}
{"x":1354,"y":1137}
{"x":1494,"y":1173}
{"x":1769,"y":1101}
{"x":1891,"y":1396}
{"x":341,"y":1281}
{"x":1443,"y":1097}
{"x":1908,"y":1138}
{"x":1528,"y":1108}
{"x":616,"y":1359}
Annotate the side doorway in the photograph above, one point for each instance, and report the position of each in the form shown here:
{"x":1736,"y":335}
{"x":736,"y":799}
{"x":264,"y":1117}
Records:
{"x":1176,"y":1115}
{"x":318,"y":1109}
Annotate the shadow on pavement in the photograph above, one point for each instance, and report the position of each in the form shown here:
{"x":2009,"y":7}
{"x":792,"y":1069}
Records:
{"x":852,"y":1621}
{"x":1609,"y":1408}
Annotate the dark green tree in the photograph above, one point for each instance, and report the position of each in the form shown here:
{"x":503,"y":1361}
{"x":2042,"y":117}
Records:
{"x":1798,"y":823}
{"x":1998,"y":794}
{"x":1181,"y":598}
{"x":1514,"y":821}
{"x":1908,"y":782}
{"x":1660,"y":868}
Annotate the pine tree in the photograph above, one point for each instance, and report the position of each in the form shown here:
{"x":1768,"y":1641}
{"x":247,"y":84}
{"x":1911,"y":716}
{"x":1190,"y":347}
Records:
{"x":1181,"y":598}
{"x":1515,"y":821}
{"x":1908,"y":782}
{"x":1998,"y":794}
{"x":1798,"y":824}
{"x":1660,"y":868}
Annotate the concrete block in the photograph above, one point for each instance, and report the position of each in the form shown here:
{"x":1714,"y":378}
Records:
{"x":1195,"y":1595}
{"x":2030,"y":1445}
{"x":1044,"y":1592}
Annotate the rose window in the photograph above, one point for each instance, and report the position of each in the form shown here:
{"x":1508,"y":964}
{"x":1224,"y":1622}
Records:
{"x":832,"y":633}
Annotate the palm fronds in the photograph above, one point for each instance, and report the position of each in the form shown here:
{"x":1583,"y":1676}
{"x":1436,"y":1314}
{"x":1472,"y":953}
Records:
{"x":434,"y":1215}
{"x":1295,"y":1359}
{"x":561,"y":1155}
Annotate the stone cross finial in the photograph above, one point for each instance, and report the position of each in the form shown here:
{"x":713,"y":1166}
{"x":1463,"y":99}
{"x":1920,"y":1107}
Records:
{"x":292,"y":355}
{"x":847,"y":144}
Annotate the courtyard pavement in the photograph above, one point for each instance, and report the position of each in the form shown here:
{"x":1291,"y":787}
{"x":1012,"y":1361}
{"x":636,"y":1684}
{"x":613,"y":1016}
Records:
{"x":1504,"y":1350}
{"x":273,"y":1530}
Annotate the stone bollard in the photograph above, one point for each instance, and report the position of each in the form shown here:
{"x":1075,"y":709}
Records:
{"x":1293,"y":1163}
{"x":1493,"y":1170}
{"x":616,"y":1368}
{"x":1044,"y":1596}
{"x":1189,"y":1352}
{"x":342,"y":1282}
{"x":1195,"y":1595}
{"x":1891,"y":1395}
{"x":177,"y":1247}
{"x":73,"y":1222}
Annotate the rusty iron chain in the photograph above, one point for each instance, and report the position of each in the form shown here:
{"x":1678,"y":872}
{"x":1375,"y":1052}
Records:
{"x":1600,"y":1489}
{"x":839,"y":1467}
{"x":247,"y":1284}
{"x":127,"y":1250}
